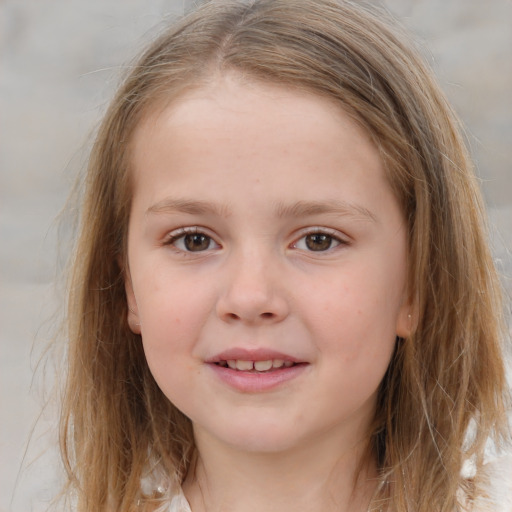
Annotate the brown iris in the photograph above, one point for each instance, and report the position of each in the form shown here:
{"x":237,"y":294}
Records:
{"x":196,"y":242}
{"x":318,"y":242}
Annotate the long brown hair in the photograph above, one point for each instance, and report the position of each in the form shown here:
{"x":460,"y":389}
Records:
{"x":444,"y":393}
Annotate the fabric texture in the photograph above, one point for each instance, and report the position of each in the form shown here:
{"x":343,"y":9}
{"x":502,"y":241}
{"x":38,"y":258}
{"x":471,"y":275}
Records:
{"x":179,"y":504}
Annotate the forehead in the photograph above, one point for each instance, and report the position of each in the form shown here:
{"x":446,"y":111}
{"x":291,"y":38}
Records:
{"x":230,"y":108}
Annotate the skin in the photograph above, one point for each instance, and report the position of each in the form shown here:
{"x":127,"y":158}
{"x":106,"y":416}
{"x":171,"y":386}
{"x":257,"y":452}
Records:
{"x":301,"y":250}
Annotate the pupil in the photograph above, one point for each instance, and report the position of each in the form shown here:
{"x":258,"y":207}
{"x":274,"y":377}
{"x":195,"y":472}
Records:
{"x":197,"y":242}
{"x":318,"y":242}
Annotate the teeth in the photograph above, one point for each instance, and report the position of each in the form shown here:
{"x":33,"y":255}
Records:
{"x":262,"y":366}
{"x":244,"y":365}
{"x":259,"y":366}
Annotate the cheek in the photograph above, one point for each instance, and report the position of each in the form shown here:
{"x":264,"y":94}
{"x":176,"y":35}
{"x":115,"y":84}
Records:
{"x":167,"y":323}
{"x":168,"y":312}
{"x":355,"y":314}
{"x":169,"y":331}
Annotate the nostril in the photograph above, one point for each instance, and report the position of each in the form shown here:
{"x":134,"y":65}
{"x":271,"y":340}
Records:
{"x":267,"y":315}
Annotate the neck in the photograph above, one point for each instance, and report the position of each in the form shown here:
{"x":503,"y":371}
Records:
{"x":308,"y":479}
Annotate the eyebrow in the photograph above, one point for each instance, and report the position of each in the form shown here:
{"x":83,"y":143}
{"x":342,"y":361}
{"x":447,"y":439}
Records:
{"x":334,"y":206}
{"x":190,"y":206}
{"x":298,"y":209}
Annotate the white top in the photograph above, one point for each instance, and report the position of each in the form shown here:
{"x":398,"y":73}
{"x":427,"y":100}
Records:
{"x":179,"y":504}
{"x":499,"y":499}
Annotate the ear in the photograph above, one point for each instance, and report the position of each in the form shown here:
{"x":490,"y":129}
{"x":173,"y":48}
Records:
{"x":407,"y":319}
{"x":133,"y":312}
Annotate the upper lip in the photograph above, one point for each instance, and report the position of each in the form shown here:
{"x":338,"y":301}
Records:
{"x":251,"y":354}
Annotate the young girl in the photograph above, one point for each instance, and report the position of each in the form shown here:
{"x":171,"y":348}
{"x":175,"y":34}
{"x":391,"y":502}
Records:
{"x":282,"y":295}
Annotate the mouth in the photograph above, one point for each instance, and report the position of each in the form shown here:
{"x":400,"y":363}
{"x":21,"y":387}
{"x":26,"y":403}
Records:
{"x":260,"y":366}
{"x":256,"y":370}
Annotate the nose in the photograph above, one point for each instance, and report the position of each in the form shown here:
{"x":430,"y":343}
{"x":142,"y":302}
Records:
{"x":253,"y":292}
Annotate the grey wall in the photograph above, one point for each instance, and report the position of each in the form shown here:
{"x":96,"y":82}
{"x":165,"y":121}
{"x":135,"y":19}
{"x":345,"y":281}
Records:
{"x":59,"y":60}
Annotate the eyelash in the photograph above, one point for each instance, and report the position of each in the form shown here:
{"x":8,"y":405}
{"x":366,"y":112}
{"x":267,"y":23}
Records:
{"x":182,"y":233}
{"x":331,"y":237}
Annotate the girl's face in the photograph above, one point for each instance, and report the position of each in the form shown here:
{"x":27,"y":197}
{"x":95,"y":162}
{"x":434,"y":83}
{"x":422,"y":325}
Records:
{"x":267,"y":265}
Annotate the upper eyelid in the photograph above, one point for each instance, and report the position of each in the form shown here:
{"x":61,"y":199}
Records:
{"x":335,"y":233}
{"x":188,"y":230}
{"x":173,"y":236}
{"x":297,"y":235}
{"x":341,"y":241}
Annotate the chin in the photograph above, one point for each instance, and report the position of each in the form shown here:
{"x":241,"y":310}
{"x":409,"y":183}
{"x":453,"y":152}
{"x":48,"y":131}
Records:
{"x":258,"y":438}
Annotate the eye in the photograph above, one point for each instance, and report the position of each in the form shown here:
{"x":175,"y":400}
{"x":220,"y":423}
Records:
{"x":318,"y":242}
{"x":192,"y":241}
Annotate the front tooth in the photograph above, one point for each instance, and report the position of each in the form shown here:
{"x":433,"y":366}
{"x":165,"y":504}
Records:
{"x":263,"y":366}
{"x":232,"y":364}
{"x":244,"y":365}
{"x":277,"y":363}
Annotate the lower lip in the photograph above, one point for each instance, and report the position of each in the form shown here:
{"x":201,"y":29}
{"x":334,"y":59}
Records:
{"x":257,"y":382}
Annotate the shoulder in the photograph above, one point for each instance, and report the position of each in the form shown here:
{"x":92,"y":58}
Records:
{"x":497,"y":497}
{"x":175,"y":503}
{"x":179,"y":503}
{"x":171,"y":499}
{"x":498,"y":488}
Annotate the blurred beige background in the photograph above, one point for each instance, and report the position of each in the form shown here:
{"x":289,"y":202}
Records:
{"x":59,"y":61}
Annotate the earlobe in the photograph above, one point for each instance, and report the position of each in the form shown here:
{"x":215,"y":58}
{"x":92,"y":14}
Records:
{"x":133,"y":312}
{"x":407,"y":321}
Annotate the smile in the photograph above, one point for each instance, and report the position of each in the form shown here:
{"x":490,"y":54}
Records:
{"x":256,"y":370}
{"x":255,"y":366}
